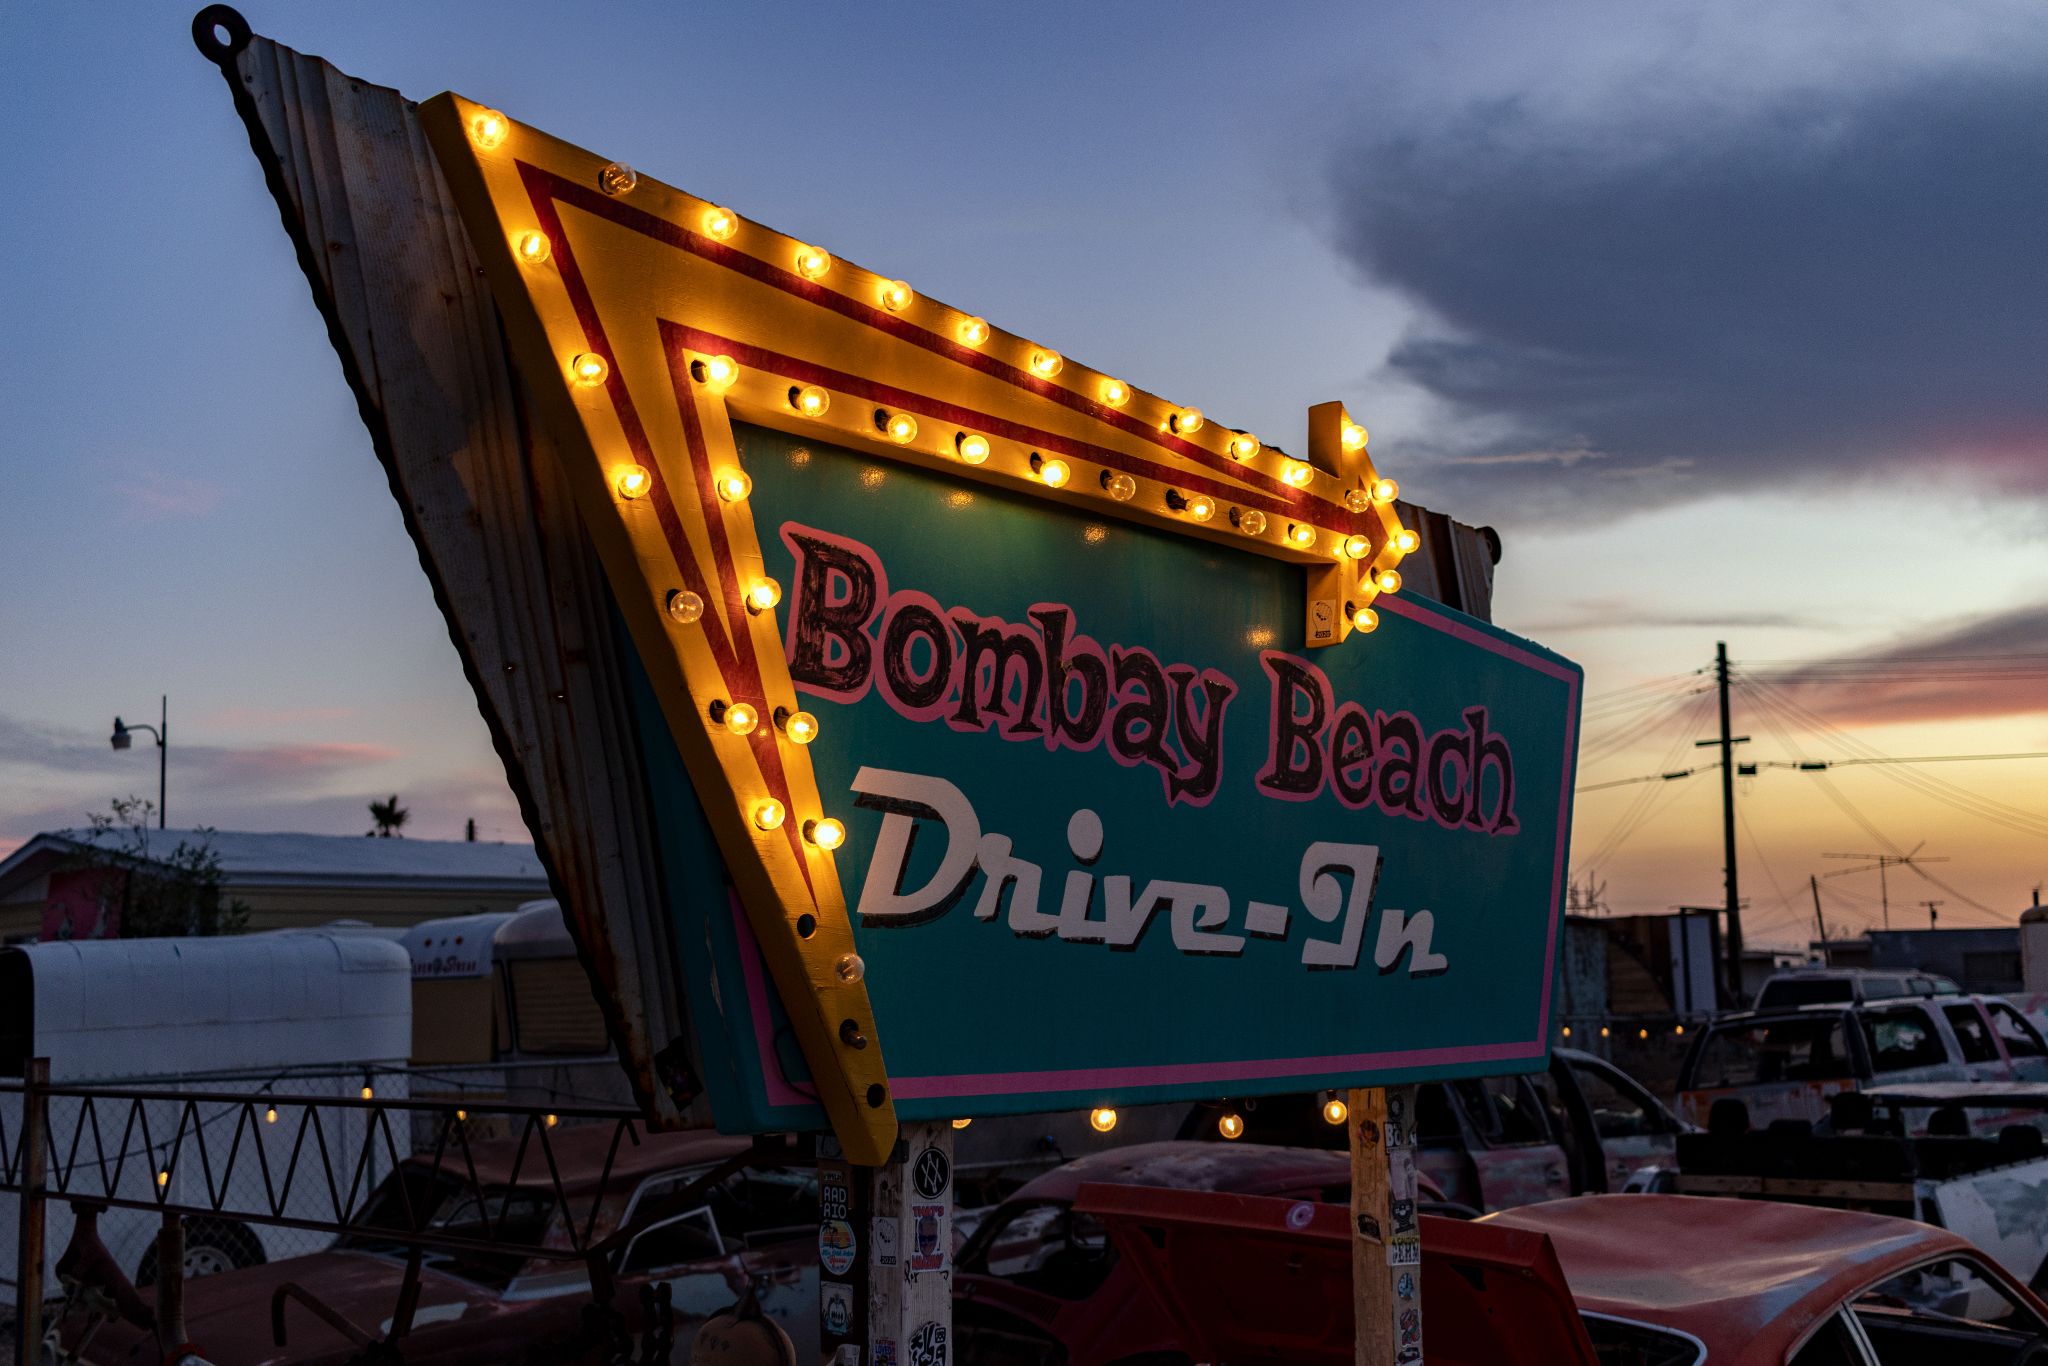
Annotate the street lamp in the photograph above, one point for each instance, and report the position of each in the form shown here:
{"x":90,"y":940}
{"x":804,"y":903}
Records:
{"x":124,"y":736}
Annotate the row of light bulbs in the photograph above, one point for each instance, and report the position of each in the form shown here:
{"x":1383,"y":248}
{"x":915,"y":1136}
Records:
{"x":1677,"y":1030}
{"x":1230,"y":1124}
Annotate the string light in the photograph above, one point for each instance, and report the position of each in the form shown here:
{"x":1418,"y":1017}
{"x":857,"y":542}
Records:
{"x":369,"y":1092}
{"x":270,"y":1115}
{"x":809,"y":400}
{"x":684,"y":607}
{"x":1357,"y":547}
{"x":462,"y":1116}
{"x":1243,"y":446}
{"x":588,"y":369}
{"x":720,"y":372}
{"x":733,"y":486}
{"x":768,"y":813}
{"x":1406,"y":541}
{"x":763,"y":595}
{"x":1115,"y":393}
{"x":1642,"y":1033}
{"x":720,"y":223}
{"x":1186,"y":422}
{"x":1354,"y":437}
{"x":1046,"y":364}
{"x":1567,"y":1031}
{"x":1297,"y":472}
{"x":1102,"y":1119}
{"x":1385,"y":490}
{"x":487,"y":128}
{"x":534,"y":249}
{"x":1301,"y":534}
{"x":1119,"y":486}
{"x":800,"y":726}
{"x":1054,"y":472}
{"x":896,"y":296}
{"x":1603,"y":1031}
{"x":974,"y":331}
{"x":901,"y":428}
{"x":1251,"y":521}
{"x":163,"y":1178}
{"x":849,"y":968}
{"x":1231,"y":1126}
{"x":827,"y":834}
{"x":739,"y":718}
{"x":551,"y":1120}
{"x":1365,"y":619}
{"x":1680,"y":1029}
{"x":972,"y":446}
{"x":1388,"y":581}
{"x":811,"y":263}
{"x":617,"y":178}
{"x":1335,"y":1111}
{"x":1201,"y":507}
{"x":634,"y":481}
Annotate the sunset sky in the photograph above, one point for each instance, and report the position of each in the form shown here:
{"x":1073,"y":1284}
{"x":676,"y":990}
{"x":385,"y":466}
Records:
{"x":1732,"y":318}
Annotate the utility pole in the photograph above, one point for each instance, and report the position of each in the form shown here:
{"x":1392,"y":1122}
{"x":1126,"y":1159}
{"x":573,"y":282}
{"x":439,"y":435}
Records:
{"x":1882,"y":862}
{"x":1727,"y":743}
{"x":1821,"y":924}
{"x":1933,"y":911}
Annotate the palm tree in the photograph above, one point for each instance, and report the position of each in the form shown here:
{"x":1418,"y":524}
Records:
{"x":389,"y":816}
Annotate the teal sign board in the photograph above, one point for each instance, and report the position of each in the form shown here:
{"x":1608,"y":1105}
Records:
{"x":1113,"y":833}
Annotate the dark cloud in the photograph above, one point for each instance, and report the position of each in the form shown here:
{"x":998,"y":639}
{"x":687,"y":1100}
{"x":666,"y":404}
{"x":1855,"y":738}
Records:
{"x":1995,"y":665}
{"x":1642,"y":308}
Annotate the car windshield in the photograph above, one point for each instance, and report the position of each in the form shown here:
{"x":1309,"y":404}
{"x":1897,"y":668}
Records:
{"x":1622,"y":1342}
{"x":1801,"y":1048}
{"x":505,"y":1214}
{"x":1042,"y":1245}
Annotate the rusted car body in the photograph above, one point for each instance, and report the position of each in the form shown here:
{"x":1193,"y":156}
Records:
{"x":1651,"y":1280}
{"x":757,"y":1225}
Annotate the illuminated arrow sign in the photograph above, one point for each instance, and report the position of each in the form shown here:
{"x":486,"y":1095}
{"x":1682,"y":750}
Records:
{"x":1019,"y":657}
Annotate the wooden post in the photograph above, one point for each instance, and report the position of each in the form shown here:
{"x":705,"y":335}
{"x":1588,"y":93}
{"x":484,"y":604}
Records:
{"x":35,"y":1146}
{"x":1386,"y":1242}
{"x":910,"y":1251}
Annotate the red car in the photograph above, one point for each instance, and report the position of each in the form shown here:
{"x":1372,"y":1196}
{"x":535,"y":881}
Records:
{"x":760,"y":1223}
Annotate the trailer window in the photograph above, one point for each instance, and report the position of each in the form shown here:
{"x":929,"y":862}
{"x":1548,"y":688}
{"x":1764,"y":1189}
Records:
{"x":2020,"y":1038}
{"x":1803,"y":1048}
{"x":1902,"y":1038}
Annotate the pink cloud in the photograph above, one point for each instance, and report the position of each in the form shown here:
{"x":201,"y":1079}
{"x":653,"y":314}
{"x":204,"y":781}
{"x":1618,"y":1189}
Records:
{"x":274,"y":718}
{"x":269,"y":762}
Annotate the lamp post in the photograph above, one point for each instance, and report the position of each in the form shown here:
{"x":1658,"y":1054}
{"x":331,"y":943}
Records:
{"x":124,"y":737}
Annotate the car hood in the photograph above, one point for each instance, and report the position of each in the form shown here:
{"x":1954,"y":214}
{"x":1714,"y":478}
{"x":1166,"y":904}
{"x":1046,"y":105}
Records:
{"x":228,"y":1316}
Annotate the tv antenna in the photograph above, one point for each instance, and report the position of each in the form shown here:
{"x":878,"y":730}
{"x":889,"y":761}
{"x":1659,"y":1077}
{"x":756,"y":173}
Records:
{"x":1883,"y":862}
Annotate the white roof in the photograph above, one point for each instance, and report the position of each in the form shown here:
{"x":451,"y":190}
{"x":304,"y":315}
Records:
{"x":286,"y":859}
{"x":468,"y":945}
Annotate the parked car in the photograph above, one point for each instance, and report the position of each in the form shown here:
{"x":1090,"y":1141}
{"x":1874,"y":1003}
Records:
{"x":1784,"y":1064}
{"x":1582,"y":1127}
{"x":1035,"y":1274}
{"x":759,"y":1225}
{"x":1815,"y":985}
{"x":1657,"y":1280}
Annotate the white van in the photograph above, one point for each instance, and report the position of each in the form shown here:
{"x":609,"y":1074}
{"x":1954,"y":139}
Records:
{"x":289,"y":1015}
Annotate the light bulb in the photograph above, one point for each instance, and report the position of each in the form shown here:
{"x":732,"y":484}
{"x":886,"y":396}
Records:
{"x":810,"y":400}
{"x":1354,"y":437}
{"x":684,"y":607}
{"x":369,"y":1093}
{"x":1406,"y":541}
{"x":1046,"y":364}
{"x":1642,"y":1033}
{"x":551,"y":1120}
{"x":1231,"y":1126}
{"x":974,"y":331}
{"x":534,"y":249}
{"x":1358,"y":500}
{"x":901,"y":428}
{"x":763,"y":595}
{"x":1297,"y":472}
{"x":270,"y":1115}
{"x":1365,"y":619}
{"x":1054,"y":472}
{"x":1335,"y":1111}
{"x":462,"y":1116}
{"x":811,"y":263}
{"x":800,"y":726}
{"x":1119,"y":486}
{"x":1385,"y":490}
{"x":962,"y":1123}
{"x":826,"y":834}
{"x":896,"y":296}
{"x":973,"y":447}
{"x":1243,"y":446}
{"x":1186,"y":422}
{"x":1201,"y":507}
{"x":1102,"y":1119}
{"x":1680,"y":1030}
{"x":588,"y":369}
{"x":768,"y":813}
{"x":1568,"y":1031}
{"x":1251,"y":522}
{"x":617,"y":178}
{"x":1357,"y":547}
{"x":720,"y":372}
{"x":1115,"y":393}
{"x":1301,"y":533}
{"x":487,"y":128}
{"x":734,"y":485}
{"x":848,"y":968}
{"x":1388,"y":581}
{"x":163,"y":1178}
{"x":1603,"y":1031}
{"x":741,"y":719}
{"x":633,"y":481}
{"x":721,"y":223}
